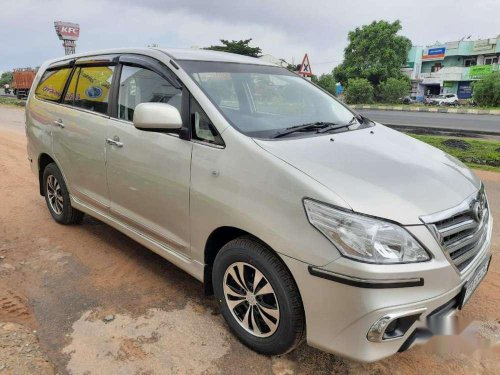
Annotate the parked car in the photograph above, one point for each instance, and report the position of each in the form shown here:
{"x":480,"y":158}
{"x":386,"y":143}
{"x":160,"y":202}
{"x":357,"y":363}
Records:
{"x":304,"y":218}
{"x":444,"y":99}
{"x":409,"y":99}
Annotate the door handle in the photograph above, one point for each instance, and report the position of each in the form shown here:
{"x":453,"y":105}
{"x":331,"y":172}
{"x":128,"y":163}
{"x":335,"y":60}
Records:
{"x":114,"y":142}
{"x":59,"y":123}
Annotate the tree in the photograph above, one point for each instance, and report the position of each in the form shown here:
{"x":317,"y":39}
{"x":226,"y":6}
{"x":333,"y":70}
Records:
{"x":486,"y":92}
{"x":293,"y":67}
{"x":6,"y":78}
{"x":392,"y":90}
{"x":326,"y":81}
{"x":241,"y":47}
{"x":359,"y":90}
{"x":375,"y":52}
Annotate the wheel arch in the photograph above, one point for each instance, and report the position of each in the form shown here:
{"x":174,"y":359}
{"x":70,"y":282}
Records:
{"x":216,"y":241}
{"x":43,"y":160}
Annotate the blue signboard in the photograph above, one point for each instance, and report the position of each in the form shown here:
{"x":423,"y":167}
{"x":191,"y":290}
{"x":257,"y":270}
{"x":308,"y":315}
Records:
{"x":434,"y":54}
{"x":436,"y":51}
{"x":464,"y":90}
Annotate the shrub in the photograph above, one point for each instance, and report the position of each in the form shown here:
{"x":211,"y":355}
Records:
{"x":486,"y":92}
{"x":393,"y":90}
{"x":326,"y":81}
{"x":359,"y":90}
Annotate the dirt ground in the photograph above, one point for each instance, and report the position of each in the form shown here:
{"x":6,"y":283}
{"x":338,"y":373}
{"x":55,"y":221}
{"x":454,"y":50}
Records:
{"x":87,"y":300}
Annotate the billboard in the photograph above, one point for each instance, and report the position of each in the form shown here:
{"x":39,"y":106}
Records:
{"x":464,"y":90}
{"x":434,"y":53}
{"x":479,"y":71}
{"x":485,"y":45}
{"x":67,"y":30}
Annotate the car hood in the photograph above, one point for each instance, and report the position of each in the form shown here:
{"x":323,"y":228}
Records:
{"x":379,"y":171}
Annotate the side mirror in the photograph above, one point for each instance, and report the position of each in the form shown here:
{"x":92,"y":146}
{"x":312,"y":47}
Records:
{"x":157,"y":116}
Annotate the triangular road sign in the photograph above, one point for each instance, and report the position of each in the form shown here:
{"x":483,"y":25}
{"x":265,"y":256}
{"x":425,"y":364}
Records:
{"x":305,"y":67}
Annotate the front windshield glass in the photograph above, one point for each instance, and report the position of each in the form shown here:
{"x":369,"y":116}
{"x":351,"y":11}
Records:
{"x":262,"y":101}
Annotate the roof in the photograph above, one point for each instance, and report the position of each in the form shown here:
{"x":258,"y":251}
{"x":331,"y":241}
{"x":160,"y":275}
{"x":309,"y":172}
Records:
{"x":207,"y":55}
{"x":175,"y":54}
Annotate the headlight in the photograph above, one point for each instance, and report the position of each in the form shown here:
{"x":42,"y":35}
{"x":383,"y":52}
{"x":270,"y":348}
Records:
{"x":363,"y":238}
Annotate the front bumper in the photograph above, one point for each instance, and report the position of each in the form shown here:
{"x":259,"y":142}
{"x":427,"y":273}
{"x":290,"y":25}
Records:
{"x":340,"y":314}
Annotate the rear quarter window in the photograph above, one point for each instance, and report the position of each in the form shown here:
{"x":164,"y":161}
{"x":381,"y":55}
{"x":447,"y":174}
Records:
{"x":51,"y":85}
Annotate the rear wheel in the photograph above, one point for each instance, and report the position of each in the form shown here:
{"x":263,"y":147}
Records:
{"x":57,"y":197}
{"x":258,"y":297}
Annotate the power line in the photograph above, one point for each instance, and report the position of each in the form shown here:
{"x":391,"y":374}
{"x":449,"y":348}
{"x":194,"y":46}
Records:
{"x":327,"y":62}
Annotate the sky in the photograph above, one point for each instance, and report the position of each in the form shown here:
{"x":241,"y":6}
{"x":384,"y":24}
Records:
{"x":285,"y":29}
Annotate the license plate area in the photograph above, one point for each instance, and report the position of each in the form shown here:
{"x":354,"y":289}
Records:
{"x":472,"y":284}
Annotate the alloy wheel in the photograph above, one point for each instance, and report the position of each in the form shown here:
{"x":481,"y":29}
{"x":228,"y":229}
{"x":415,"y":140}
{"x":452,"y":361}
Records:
{"x":54,"y":194}
{"x":251,"y":299}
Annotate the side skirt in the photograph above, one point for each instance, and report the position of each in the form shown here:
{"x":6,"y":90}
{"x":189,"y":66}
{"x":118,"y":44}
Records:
{"x":193,"y":267}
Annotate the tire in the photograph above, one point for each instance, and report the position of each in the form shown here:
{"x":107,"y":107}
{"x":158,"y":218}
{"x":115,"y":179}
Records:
{"x":57,"y":197}
{"x":283,"y":328}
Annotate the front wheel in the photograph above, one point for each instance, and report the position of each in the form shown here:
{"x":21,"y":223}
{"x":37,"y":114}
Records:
{"x":258,"y":297}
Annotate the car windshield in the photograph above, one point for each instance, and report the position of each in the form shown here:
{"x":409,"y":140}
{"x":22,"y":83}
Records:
{"x":265,"y":101}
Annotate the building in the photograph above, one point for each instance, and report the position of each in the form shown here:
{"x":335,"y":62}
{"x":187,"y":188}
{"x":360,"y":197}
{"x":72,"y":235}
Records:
{"x":452,"y":67}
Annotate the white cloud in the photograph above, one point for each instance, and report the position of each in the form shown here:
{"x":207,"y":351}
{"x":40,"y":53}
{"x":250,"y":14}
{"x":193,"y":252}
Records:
{"x":286,"y":29}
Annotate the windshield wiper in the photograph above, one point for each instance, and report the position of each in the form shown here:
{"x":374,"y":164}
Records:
{"x":335,"y":126}
{"x":303,"y":127}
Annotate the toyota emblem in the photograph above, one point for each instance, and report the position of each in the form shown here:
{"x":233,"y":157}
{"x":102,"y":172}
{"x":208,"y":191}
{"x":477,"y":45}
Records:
{"x":478,"y":208}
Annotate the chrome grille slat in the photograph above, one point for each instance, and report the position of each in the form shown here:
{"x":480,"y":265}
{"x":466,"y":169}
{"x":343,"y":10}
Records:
{"x":460,"y":231}
{"x":458,"y":227}
{"x":467,"y":255}
{"x":461,"y":251}
{"x":466,"y":240}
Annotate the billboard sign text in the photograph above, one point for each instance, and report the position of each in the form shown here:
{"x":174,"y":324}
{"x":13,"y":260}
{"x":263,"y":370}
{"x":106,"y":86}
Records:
{"x":67,"y":30}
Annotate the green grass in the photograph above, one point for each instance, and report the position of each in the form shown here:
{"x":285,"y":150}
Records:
{"x":482,"y":154}
{"x":12,"y":101}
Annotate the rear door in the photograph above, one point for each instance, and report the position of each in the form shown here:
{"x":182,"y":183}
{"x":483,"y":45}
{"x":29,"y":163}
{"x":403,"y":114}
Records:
{"x":148,"y":172}
{"x":44,"y":109}
{"x":80,"y":132}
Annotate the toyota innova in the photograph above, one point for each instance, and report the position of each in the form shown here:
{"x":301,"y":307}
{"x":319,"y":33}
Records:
{"x":304,"y":218}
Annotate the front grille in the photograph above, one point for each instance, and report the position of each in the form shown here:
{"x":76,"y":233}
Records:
{"x":461,"y":231}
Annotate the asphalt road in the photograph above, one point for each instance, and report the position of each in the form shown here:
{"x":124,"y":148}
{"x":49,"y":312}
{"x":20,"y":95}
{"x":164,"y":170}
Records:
{"x":453,"y":121}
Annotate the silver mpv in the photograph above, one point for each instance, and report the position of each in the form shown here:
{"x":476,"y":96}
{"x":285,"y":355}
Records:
{"x":305,"y":219}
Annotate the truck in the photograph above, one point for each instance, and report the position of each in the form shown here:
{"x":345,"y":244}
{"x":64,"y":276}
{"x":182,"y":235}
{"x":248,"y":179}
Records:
{"x":22,"y":78}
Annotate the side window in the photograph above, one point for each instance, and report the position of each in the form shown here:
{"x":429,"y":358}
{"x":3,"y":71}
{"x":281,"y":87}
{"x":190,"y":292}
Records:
{"x":92,"y":88}
{"x":203,"y":129}
{"x":71,"y":91}
{"x":140,"y":85}
{"x":51,"y":84}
